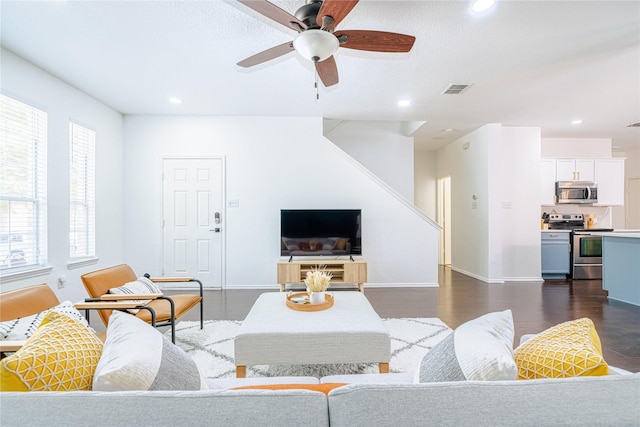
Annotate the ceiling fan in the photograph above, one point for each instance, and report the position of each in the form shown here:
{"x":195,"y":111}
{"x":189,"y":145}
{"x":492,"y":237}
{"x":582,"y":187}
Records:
{"x":317,"y":38}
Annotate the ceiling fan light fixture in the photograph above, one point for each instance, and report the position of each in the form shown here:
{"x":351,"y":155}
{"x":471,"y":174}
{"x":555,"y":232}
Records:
{"x":316,"y":45}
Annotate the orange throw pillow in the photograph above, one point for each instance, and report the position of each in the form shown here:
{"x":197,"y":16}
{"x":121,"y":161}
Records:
{"x":323,"y":388}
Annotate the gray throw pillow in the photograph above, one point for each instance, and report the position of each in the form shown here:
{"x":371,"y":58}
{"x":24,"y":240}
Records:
{"x":480,"y":349}
{"x":136,"y":356}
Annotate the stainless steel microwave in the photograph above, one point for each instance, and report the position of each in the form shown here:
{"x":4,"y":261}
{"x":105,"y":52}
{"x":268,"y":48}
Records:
{"x":573,"y":192}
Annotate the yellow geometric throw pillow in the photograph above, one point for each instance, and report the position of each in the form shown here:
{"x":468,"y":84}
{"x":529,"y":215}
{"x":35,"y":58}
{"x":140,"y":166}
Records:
{"x":61,"y":355}
{"x":570,"y":349}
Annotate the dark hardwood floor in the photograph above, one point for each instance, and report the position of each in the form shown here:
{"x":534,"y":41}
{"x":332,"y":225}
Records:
{"x":535,"y":307}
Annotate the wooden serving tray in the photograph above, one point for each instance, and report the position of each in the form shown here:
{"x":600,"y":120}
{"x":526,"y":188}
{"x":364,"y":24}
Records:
{"x":308,"y":307}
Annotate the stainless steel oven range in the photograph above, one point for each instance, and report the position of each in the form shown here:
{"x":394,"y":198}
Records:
{"x":565,"y":221}
{"x":586,"y":254}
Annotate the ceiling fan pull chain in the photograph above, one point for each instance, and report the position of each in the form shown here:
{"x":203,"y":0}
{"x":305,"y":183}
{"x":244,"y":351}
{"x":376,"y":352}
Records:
{"x":316,"y":84}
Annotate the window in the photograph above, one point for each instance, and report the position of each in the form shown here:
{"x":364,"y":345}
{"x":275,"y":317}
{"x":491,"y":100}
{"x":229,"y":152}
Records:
{"x":82,"y":143}
{"x":23,"y":186}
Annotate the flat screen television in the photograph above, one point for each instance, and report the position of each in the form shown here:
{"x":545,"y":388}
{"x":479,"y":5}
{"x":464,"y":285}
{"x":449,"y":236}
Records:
{"x":319,"y":232}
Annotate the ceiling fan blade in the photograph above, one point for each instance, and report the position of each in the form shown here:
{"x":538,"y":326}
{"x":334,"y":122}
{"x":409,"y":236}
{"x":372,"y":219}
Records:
{"x":337,"y":9}
{"x":267,"y":55}
{"x":376,"y":41}
{"x":328,"y":71}
{"x":273,"y":12}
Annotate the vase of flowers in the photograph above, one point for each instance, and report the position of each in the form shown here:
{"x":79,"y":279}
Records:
{"x":317,"y":282}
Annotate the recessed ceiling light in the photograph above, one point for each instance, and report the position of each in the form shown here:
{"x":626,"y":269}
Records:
{"x":404,"y":103}
{"x":482,"y":5}
{"x":576,"y":121}
{"x":175,"y":100}
{"x":447,"y":130}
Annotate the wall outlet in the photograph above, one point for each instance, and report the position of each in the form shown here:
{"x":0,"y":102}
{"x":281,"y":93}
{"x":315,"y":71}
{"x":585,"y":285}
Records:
{"x":234,"y":203}
{"x":506,"y":204}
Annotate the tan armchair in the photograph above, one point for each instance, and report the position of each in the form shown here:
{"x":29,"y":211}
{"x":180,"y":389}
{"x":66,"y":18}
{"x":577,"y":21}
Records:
{"x":24,"y":302}
{"x":160,"y":311}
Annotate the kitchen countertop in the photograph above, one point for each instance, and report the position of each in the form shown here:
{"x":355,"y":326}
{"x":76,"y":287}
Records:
{"x":556,"y":231}
{"x":632,"y":234}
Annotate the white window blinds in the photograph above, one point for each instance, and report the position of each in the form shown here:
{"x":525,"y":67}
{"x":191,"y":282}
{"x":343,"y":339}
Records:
{"x":23,"y":186}
{"x":82,"y":148}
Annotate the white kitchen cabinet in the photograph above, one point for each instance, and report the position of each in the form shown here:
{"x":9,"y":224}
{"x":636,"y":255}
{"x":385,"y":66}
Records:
{"x":609,"y":175}
{"x":575,"y":169}
{"x":548,"y":182}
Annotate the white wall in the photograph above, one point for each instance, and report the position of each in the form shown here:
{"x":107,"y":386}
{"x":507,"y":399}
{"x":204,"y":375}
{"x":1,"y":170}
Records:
{"x":271,"y":163}
{"x":468,"y":169}
{"x":380,"y":147}
{"x":520,"y":169}
{"x":426,"y":182}
{"x":576,"y":147}
{"x":62,"y":102}
{"x":499,"y":165}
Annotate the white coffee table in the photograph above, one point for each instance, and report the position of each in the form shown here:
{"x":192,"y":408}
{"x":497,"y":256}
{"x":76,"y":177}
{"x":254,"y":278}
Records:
{"x":349,"y":332}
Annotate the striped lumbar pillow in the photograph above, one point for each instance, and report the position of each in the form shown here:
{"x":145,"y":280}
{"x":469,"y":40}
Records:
{"x":138,"y":357}
{"x":141,"y":286}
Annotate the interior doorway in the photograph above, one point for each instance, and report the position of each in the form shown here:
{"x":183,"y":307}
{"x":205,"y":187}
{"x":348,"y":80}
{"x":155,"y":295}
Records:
{"x":444,"y":219}
{"x":193,"y":219}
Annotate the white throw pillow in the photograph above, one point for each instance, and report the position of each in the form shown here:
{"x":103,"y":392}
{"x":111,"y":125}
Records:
{"x":22,"y":328}
{"x":136,"y":356}
{"x":480,"y":349}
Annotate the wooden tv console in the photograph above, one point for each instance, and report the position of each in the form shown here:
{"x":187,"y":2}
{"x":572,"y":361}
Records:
{"x":344,"y":271}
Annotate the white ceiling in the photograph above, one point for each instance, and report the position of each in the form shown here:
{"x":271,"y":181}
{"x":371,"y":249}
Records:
{"x":530,"y":63}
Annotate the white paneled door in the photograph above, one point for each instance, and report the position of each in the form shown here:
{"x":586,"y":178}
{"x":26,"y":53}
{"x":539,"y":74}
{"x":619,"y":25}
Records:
{"x":192,"y":193}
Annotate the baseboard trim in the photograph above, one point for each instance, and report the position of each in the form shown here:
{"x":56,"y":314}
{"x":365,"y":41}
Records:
{"x":524,"y":279}
{"x":341,"y":286}
{"x":401,"y":285}
{"x":498,"y":281}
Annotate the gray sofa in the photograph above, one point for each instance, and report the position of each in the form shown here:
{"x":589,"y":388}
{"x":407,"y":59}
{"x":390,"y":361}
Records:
{"x":374,"y":400}
{"x":367,"y":400}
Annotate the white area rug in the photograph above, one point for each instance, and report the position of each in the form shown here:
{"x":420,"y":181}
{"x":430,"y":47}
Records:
{"x":212,"y":349}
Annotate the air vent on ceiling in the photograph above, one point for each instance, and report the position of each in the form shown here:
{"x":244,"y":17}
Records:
{"x":634,"y":125}
{"x":455,"y":88}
